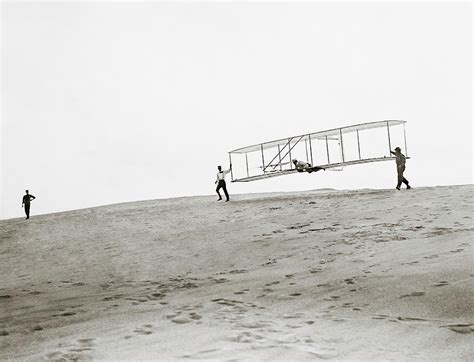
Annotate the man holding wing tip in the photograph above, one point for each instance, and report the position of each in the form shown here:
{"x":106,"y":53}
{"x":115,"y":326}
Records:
{"x":220,"y":181}
{"x":400,"y":160}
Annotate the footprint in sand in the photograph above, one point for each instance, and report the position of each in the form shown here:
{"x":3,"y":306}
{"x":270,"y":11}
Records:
{"x":411,"y":319}
{"x":86,"y":342}
{"x":181,"y":320}
{"x":178,"y":317}
{"x":270,"y":262}
{"x":380,"y":316}
{"x":460,"y":328}
{"x":144,"y":330}
{"x":157,"y":295}
{"x":414,"y":294}
{"x":65,"y":314}
{"x":332,"y":298}
{"x":76,"y":352}
{"x":194,"y":316}
{"x":297,"y":226}
{"x":297,"y":315}
{"x":245,"y":337}
{"x":272,"y":283}
{"x":113,"y":297}
{"x":324,"y":285}
{"x":241,"y":292}
{"x":410,"y":262}
{"x":238,"y":271}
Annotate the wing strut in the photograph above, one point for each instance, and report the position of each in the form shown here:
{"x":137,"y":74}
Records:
{"x":327,"y":150}
{"x":247,"y":164}
{"x":405,"y":138}
{"x":342,"y":147}
{"x":279,"y":154}
{"x":358,"y":144}
{"x":289,"y":151}
{"x":389,"y":144}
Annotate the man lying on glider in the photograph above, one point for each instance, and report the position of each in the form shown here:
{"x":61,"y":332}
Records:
{"x":305,"y":166}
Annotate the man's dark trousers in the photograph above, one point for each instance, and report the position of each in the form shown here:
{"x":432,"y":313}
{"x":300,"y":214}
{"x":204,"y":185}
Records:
{"x":27,"y":210}
{"x":221,"y":185}
{"x":401,"y":179}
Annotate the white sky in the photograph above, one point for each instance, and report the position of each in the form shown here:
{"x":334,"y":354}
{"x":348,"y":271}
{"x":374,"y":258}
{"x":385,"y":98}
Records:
{"x":111,"y":102}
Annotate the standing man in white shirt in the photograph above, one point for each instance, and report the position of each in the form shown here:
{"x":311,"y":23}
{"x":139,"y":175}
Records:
{"x":220,"y":181}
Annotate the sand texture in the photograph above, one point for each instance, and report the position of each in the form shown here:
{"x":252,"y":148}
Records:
{"x":368,"y":274}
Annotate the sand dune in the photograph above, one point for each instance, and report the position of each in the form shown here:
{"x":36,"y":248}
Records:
{"x":369,"y":274}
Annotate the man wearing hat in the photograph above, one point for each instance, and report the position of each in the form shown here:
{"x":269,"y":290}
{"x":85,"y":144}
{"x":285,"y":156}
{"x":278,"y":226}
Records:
{"x":220,"y":181}
{"x":400,"y":159}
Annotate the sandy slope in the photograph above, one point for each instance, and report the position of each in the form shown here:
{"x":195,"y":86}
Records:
{"x":342,"y":275}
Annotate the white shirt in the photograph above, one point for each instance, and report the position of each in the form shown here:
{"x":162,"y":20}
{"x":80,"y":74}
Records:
{"x":221,"y":175}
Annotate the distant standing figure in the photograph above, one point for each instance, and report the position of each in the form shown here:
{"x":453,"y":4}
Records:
{"x":26,"y":202}
{"x":220,"y":181}
{"x":400,"y":159}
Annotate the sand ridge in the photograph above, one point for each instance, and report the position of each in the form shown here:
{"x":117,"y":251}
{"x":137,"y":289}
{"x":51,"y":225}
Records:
{"x":332,"y":275}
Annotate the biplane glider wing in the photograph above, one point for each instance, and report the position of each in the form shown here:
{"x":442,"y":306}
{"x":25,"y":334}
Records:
{"x":331,"y":149}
